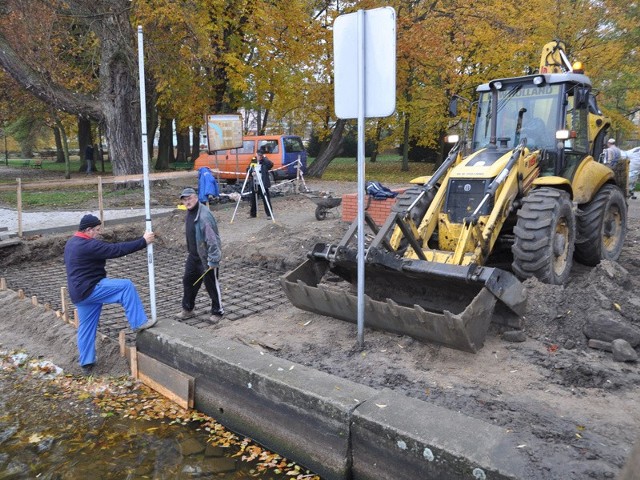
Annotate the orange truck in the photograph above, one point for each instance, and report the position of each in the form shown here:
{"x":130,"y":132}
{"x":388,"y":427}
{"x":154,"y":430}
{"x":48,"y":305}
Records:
{"x":283,"y":150}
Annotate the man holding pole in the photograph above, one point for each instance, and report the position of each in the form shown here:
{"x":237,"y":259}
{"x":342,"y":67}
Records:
{"x":85,"y":257}
{"x":203,"y":259}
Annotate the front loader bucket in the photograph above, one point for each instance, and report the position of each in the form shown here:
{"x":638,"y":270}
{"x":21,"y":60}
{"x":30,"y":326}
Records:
{"x":460,"y":328}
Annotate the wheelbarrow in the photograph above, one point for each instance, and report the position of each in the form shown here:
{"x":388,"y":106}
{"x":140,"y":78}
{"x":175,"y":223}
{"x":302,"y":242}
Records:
{"x":324,"y":204}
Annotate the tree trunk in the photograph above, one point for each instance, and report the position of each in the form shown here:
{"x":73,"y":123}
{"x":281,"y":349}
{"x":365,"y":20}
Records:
{"x":405,"y":145}
{"x":117,"y":106}
{"x":85,"y":138}
{"x":324,"y":158}
{"x":183,"y":147}
{"x":59,"y":151}
{"x":376,"y":142}
{"x":65,"y":146}
{"x":165,"y":144}
{"x":195,"y":143}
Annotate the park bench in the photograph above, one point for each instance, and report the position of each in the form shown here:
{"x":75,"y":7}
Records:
{"x":36,"y":163}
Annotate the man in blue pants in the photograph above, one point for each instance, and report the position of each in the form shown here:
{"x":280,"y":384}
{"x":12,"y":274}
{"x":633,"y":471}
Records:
{"x":85,"y":257}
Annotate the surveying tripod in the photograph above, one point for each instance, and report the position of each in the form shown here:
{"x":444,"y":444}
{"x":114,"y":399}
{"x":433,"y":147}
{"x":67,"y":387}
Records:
{"x":254,"y":168}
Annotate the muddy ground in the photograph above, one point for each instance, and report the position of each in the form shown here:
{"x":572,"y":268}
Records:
{"x":575,"y":410}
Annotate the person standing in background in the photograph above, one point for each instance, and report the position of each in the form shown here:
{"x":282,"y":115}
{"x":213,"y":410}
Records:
{"x":88,"y":157}
{"x":262,"y":167}
{"x":612,"y":153}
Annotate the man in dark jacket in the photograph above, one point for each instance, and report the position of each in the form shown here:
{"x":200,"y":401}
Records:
{"x":203,"y":259}
{"x":85,"y":258}
{"x":262,"y":167}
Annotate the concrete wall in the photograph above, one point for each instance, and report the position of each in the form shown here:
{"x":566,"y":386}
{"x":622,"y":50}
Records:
{"x":338,"y":429}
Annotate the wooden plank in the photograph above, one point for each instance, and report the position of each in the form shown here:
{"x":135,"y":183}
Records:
{"x":173,"y":384}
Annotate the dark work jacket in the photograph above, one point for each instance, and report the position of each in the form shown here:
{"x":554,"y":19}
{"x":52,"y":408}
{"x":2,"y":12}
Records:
{"x":86,"y":258}
{"x":265,"y":166}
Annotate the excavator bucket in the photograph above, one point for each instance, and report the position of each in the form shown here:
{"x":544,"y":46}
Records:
{"x":445,"y":304}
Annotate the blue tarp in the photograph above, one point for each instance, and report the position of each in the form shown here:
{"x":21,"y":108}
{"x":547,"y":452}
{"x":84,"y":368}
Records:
{"x":207,"y":185}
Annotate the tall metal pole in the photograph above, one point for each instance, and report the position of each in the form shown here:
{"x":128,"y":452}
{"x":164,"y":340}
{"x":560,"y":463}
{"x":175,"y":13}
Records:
{"x":361,"y":115}
{"x":145,"y":170}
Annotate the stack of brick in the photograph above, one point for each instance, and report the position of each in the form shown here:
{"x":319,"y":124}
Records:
{"x":379,"y":210}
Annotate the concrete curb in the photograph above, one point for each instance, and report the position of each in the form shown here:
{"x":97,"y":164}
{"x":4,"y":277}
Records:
{"x":397,"y":437}
{"x":337,"y":428}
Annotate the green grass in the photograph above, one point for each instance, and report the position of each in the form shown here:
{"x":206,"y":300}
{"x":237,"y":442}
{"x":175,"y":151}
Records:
{"x":386,"y":169}
{"x":51,"y":165}
{"x":70,"y":197}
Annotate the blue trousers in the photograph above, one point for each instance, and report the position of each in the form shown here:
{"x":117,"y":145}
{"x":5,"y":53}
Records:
{"x":108,"y":290}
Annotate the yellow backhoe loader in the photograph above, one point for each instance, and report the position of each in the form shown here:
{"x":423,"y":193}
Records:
{"x":528,"y":197}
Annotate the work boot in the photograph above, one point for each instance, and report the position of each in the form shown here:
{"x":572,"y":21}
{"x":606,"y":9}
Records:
{"x":184,"y":314}
{"x":148,"y":324}
{"x":87,"y":370}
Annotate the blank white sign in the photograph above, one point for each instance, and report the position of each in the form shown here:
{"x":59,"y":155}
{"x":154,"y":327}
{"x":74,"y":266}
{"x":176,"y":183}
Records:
{"x":379,"y":63}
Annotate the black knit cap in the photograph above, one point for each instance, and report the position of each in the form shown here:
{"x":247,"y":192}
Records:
{"x":89,"y":221}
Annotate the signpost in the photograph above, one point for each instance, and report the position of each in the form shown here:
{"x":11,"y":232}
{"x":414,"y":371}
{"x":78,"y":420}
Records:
{"x":223,"y":132}
{"x":364,"y":51}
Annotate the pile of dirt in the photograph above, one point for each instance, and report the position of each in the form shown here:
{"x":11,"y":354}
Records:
{"x":42,"y":334}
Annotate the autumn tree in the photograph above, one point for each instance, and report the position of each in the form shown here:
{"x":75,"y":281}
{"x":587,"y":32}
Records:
{"x":29,"y":53}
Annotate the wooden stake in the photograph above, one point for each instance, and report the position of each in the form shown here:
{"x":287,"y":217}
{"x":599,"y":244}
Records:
{"x":21,"y":294}
{"x":122,"y":343}
{"x":19,"y":206}
{"x":47,"y":307}
{"x":133,"y":359}
{"x":34,"y":300}
{"x":76,"y":318}
{"x":63,"y":301}
{"x":3,"y":283}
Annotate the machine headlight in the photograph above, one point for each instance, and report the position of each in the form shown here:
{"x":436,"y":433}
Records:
{"x":539,"y":80}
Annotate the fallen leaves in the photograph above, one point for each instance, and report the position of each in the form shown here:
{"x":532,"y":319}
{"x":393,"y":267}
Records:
{"x":134,"y":400}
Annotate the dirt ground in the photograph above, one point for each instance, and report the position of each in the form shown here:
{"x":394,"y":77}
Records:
{"x":575,"y":409}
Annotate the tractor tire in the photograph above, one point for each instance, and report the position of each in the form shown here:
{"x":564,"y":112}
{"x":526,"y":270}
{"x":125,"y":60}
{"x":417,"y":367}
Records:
{"x":544,"y":237}
{"x":602,"y":227}
{"x":406,"y":198}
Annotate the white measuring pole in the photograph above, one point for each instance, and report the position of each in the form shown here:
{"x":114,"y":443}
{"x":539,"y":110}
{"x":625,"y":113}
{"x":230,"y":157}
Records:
{"x":361,"y":133}
{"x":145,"y":170}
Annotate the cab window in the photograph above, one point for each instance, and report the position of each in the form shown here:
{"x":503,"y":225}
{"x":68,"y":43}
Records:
{"x":269,"y":146}
{"x":293,"y":145}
